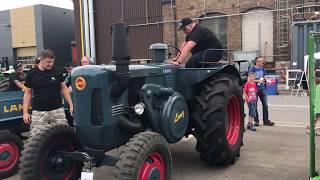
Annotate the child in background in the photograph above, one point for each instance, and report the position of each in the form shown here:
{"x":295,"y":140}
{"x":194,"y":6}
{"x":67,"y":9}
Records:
{"x":316,"y":105}
{"x":250,"y":94}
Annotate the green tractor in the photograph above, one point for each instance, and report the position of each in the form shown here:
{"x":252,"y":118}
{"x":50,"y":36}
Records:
{"x":144,"y":108}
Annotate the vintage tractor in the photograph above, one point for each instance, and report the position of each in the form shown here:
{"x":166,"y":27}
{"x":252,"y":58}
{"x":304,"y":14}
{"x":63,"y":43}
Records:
{"x":143,"y":107}
{"x":11,"y":129}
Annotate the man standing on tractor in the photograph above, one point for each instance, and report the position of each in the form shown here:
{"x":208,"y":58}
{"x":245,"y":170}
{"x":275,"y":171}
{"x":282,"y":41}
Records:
{"x":46,"y":82}
{"x":198,"y":40}
{"x":16,"y":80}
{"x":260,"y":72}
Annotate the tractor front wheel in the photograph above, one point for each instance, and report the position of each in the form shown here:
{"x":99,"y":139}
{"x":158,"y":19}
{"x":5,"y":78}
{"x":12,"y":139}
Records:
{"x":10,"y":149}
{"x":218,"y":121}
{"x":146,"y":156}
{"x":41,"y":158}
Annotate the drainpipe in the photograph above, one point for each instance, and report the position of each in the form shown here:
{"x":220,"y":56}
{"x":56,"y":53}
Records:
{"x":174,"y":10}
{"x":81,"y":28}
{"x":259,"y":37}
{"x":204,"y":8}
{"x":146,"y":3}
{"x":86,"y":28}
{"x":92,"y":33}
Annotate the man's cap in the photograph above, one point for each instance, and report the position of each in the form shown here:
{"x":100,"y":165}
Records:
{"x":185,"y":22}
{"x":15,"y":66}
{"x":69,"y":64}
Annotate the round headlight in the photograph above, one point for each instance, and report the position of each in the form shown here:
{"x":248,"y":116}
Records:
{"x":139,"y":108}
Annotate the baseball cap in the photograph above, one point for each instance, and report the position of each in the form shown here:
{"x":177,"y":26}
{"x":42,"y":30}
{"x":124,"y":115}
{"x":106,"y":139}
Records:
{"x":185,"y":22}
{"x":15,"y":66}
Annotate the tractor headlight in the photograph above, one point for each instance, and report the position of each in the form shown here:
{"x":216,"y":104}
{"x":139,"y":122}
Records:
{"x":139,"y":108}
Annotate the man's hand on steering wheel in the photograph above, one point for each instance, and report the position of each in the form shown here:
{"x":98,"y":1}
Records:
{"x":175,"y":62}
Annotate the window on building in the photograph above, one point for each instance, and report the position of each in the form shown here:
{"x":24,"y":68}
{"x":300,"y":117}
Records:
{"x":218,"y":25}
{"x":167,"y":1}
{"x":26,"y":61}
{"x":317,"y":5}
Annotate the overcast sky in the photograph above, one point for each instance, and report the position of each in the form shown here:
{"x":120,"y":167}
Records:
{"x":11,"y":4}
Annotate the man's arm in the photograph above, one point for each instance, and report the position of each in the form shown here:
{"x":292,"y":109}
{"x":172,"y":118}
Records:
{"x":185,"y":51}
{"x":183,"y":44}
{"x":265,"y":74}
{"x":26,"y":104}
{"x":66,"y":94}
{"x":181,"y":47}
{"x":19,"y":84}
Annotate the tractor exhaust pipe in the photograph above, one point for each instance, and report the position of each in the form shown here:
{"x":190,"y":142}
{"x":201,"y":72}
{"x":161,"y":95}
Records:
{"x":120,"y":54}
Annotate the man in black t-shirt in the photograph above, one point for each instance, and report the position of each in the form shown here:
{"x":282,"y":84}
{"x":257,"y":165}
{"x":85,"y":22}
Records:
{"x":198,"y":40}
{"x":46,"y":83}
{"x":17,"y":79}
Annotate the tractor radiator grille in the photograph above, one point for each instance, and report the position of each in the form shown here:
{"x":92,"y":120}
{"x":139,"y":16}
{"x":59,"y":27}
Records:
{"x":169,"y":80}
{"x":97,"y":107}
{"x":117,"y":109}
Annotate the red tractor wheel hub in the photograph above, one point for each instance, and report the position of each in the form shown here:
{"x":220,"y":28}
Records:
{"x":153,"y":166}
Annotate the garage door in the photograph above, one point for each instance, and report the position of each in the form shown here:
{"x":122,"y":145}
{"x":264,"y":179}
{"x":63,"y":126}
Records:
{"x":257,"y":33}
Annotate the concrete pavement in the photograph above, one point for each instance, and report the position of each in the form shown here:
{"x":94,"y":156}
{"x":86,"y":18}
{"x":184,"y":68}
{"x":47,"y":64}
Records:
{"x":271,"y":153}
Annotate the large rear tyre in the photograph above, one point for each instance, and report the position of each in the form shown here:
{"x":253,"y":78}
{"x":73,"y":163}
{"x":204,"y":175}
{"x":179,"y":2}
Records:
{"x":218,"y":121}
{"x":41,"y":159}
{"x":10,"y":150}
{"x":146,"y":156}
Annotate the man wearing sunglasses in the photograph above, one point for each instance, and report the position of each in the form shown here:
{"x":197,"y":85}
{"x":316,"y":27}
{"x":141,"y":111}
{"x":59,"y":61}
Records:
{"x":198,"y":40}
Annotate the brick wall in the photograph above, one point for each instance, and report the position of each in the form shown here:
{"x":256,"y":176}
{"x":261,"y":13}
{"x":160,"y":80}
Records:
{"x":234,"y":32}
{"x":169,"y":32}
{"x":198,"y":8}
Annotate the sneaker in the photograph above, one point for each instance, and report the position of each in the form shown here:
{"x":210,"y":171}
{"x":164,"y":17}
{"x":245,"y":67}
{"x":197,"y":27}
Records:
{"x":256,"y":123}
{"x":268,"y":123}
{"x":251,"y":127}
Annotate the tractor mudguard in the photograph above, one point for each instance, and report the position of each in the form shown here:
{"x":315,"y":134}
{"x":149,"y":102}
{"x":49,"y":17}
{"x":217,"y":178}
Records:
{"x":192,"y":76}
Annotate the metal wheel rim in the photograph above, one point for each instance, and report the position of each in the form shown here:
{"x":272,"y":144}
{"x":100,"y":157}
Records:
{"x":233,"y":120}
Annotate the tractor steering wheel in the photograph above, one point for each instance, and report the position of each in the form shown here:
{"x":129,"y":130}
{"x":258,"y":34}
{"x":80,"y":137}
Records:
{"x":170,"y":47}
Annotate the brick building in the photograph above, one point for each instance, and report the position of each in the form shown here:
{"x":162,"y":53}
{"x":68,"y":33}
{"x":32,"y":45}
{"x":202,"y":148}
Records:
{"x":262,"y":26}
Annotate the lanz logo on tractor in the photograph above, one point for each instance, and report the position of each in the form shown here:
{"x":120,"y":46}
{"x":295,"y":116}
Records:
{"x":166,"y":71}
{"x":12,"y":108}
{"x":179,"y":116}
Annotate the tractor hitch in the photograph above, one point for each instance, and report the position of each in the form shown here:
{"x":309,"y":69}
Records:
{"x":98,"y":158}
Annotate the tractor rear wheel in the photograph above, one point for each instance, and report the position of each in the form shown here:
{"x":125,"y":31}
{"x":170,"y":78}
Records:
{"x":10,"y":150}
{"x":218,"y":121}
{"x":146,"y":156}
{"x":41,"y":159}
